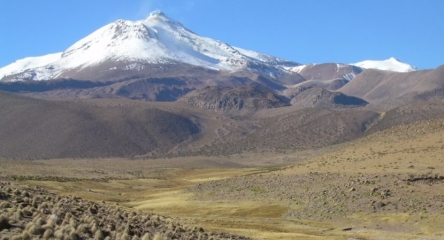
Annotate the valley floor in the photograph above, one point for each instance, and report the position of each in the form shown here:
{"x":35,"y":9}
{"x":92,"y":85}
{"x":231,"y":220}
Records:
{"x":265,"y":218}
{"x":388,"y":185}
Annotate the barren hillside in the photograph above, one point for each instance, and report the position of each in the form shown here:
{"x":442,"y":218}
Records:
{"x":388,"y":182}
{"x":34,"y":129}
{"x":235,"y":102}
{"x":321,"y":98}
{"x":377,"y":85}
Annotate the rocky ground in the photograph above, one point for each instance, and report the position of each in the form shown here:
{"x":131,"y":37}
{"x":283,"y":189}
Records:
{"x":393,"y":172}
{"x":324,"y":196}
{"x":34,"y":213}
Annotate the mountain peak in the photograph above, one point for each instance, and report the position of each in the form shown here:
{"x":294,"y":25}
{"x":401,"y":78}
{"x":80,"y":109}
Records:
{"x":158,"y":15}
{"x":133,"y":45}
{"x":392,"y":64}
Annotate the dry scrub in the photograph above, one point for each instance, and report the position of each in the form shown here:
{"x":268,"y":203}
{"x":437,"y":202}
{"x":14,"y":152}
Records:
{"x":34,"y":213}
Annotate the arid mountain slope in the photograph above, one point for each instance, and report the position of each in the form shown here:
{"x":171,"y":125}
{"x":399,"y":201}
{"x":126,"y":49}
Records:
{"x":392,"y":177}
{"x":409,"y":114}
{"x":167,"y":84}
{"x":321,"y":98}
{"x":377,"y":85}
{"x":35,"y":129}
{"x":239,"y":120}
{"x":297,"y":129}
{"x":328,"y":71}
{"x":329,"y":76}
{"x":235,"y":102}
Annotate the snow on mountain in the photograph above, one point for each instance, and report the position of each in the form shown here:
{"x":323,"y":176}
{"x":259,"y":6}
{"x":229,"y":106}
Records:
{"x":391,"y":64}
{"x":155,"y":40}
{"x":326,"y":71}
{"x":297,"y":69}
{"x":267,"y":58}
{"x":28,"y":63}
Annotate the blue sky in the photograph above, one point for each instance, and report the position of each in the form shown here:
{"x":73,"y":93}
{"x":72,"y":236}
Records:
{"x":314,"y":31}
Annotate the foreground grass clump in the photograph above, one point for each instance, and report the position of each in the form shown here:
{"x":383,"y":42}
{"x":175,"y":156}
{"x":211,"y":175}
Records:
{"x":34,"y":213}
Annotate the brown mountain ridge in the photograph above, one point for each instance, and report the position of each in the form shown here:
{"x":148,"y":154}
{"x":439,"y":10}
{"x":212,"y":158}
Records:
{"x":377,"y":85}
{"x":239,"y":101}
{"x":36,"y":129}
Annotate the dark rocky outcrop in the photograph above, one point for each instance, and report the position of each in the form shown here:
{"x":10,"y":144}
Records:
{"x":321,"y":98}
{"x":235,"y":102}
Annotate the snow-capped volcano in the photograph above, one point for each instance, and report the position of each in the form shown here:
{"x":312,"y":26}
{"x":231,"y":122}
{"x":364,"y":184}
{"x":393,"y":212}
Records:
{"x":29,"y":63}
{"x":391,"y":64}
{"x":131,"y":45}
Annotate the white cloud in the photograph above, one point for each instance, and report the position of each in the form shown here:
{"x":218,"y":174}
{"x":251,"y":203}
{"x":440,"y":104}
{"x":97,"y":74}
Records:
{"x":147,"y":6}
{"x":170,"y":7}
